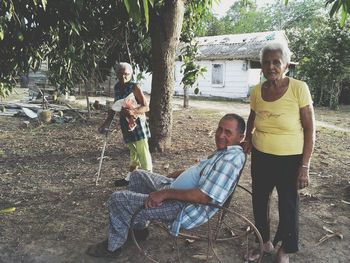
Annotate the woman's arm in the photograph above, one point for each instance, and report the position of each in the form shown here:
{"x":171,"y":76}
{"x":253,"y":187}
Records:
{"x":248,"y":137}
{"x":307,"y":118}
{"x":141,"y":99}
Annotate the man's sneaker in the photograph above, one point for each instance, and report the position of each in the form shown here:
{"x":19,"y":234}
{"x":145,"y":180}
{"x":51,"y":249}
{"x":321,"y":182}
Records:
{"x":100,"y":250}
{"x":121,"y":182}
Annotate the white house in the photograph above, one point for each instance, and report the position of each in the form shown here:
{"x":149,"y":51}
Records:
{"x":232,"y":63}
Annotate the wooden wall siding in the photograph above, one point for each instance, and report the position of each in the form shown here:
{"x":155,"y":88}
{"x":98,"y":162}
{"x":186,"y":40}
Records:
{"x":235,"y":80}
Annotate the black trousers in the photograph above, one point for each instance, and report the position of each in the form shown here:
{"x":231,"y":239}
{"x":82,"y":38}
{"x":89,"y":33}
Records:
{"x":269,"y":171}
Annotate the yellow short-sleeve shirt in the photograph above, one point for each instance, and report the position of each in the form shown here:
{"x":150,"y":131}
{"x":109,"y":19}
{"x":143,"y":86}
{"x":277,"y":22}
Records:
{"x":277,"y":124}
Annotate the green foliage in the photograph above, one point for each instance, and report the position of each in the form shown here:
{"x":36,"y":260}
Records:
{"x":82,"y":40}
{"x":91,"y":42}
{"x":5,"y":89}
{"x":239,"y":9}
{"x":191,"y":71}
{"x":343,"y":5}
{"x":247,"y":18}
{"x":242,"y":17}
{"x":138,"y":9}
{"x":217,"y":26}
{"x":22,"y":43}
{"x":193,"y":24}
{"x":320,"y":46}
{"x":324,"y":60}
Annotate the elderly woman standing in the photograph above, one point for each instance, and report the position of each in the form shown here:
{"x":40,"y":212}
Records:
{"x":280,"y":136}
{"x":135,"y":136}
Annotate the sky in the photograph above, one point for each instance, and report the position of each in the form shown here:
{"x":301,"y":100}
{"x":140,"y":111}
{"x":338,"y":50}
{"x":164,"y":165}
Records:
{"x":221,"y":8}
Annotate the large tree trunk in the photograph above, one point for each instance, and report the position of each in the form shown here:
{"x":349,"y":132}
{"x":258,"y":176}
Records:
{"x":165,"y":34}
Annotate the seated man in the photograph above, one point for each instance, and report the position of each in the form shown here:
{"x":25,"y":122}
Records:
{"x":165,"y":198}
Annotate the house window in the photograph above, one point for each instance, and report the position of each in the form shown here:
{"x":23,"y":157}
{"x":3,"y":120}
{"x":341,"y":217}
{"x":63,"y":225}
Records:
{"x":217,"y":77}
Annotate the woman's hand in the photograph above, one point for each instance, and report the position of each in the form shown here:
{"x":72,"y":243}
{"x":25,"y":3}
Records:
{"x":303,"y":177}
{"x":247,"y":146}
{"x":130,"y":113}
{"x":307,"y":118}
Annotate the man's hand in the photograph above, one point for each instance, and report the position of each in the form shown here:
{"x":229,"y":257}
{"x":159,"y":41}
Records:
{"x":175,"y":174}
{"x":155,"y":199}
{"x":194,"y":195}
{"x":303,"y":177}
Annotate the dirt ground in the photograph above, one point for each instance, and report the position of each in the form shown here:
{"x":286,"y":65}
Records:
{"x":48,"y":174}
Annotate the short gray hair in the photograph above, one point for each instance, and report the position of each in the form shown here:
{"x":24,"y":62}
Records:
{"x":277,"y":46}
{"x":239,"y":119}
{"x":123,"y":65}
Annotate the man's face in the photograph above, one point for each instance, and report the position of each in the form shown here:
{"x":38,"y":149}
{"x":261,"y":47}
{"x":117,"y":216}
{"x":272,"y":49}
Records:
{"x":227,"y":134}
{"x":124,"y":76}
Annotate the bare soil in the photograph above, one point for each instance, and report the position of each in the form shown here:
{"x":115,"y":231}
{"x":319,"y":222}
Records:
{"x":48,"y":174}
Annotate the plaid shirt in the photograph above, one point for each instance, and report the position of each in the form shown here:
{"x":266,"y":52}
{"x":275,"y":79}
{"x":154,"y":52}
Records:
{"x":218,"y":180}
{"x":142,"y":129}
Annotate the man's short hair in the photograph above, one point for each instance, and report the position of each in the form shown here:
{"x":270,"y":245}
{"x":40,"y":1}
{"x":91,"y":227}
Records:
{"x":239,"y":119}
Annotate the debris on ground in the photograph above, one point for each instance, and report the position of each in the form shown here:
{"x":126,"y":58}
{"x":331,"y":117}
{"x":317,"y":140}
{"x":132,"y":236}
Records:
{"x":330,"y":234}
{"x":55,"y":113}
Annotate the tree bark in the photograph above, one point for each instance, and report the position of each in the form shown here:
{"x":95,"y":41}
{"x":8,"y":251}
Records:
{"x":165,"y":30}
{"x":186,"y":97}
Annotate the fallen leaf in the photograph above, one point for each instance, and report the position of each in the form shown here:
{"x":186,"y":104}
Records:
{"x":7,"y":210}
{"x":201,"y":257}
{"x":330,"y":235}
{"x":331,"y":222}
{"x":328,"y":230}
{"x":307,"y":194}
{"x":325,"y":176}
{"x":189,"y":241}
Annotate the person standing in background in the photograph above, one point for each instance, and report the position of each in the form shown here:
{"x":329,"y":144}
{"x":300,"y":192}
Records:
{"x":137,"y":137}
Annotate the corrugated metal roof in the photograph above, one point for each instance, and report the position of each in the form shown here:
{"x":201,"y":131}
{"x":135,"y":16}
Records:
{"x":238,"y":46}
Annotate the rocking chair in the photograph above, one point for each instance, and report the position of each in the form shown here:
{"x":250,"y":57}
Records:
{"x":229,"y":235}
